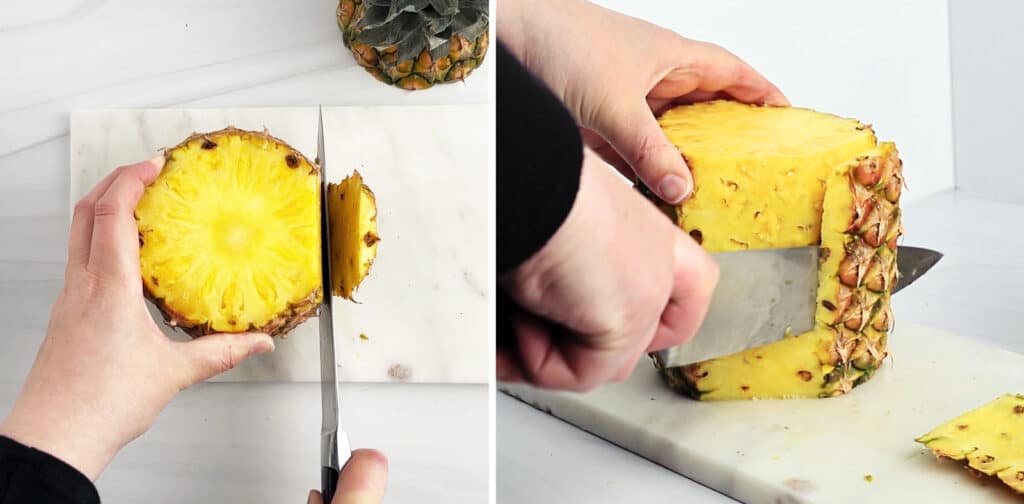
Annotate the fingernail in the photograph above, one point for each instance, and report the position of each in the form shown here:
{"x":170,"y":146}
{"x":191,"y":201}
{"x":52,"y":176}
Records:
{"x":673,"y":188}
{"x":374,"y":475}
{"x":379,"y":459}
{"x":158,"y":162}
{"x":264,"y":345}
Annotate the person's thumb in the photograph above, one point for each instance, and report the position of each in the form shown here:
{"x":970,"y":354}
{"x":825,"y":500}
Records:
{"x":363,"y":479}
{"x":637,"y":137}
{"x":212,"y":355}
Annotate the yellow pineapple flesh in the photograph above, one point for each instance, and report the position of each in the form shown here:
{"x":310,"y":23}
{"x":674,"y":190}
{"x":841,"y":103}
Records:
{"x":990,"y":439}
{"x":229,"y":235}
{"x":772,"y":177}
{"x":353,"y":209}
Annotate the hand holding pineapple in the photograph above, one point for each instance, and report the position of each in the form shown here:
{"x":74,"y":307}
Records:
{"x":617,"y":277}
{"x":614,"y":72}
{"x":105,"y":370}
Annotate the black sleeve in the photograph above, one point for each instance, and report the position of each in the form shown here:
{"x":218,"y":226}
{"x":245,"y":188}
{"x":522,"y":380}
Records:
{"x":28,"y":475}
{"x":539,"y":157}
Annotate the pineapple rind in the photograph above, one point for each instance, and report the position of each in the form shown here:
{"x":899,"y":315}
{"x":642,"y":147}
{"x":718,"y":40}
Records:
{"x":990,"y":439}
{"x":769,"y":177}
{"x":187,"y":305}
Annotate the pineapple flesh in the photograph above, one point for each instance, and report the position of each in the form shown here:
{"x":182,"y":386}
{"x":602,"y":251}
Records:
{"x":773,"y":177}
{"x":354,"y":238}
{"x":414,"y":44}
{"x":229,"y":235}
{"x":990,"y":439}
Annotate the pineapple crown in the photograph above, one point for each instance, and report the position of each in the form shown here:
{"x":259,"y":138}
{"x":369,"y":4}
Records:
{"x":414,"y":25}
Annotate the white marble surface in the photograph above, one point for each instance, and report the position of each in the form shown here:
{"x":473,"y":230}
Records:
{"x":68,"y":55}
{"x":424,"y":306}
{"x":249,"y":443}
{"x":765,"y":452}
{"x":972,"y":292}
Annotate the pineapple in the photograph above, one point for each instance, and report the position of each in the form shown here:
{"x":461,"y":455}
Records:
{"x":354,"y":237}
{"x":990,"y":438}
{"x":771,"y":177}
{"x":414,"y":44}
{"x":229,"y":235}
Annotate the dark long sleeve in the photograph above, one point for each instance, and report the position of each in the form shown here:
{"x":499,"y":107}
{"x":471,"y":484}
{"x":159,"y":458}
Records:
{"x":539,"y":161}
{"x":539,"y":158}
{"x":31,"y":476}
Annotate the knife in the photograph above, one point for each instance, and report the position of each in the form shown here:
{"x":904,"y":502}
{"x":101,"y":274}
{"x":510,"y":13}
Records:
{"x":334,"y":446}
{"x":763,"y":293}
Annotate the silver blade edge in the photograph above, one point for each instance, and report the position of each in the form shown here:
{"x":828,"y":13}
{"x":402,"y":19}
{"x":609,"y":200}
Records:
{"x":763,"y":293}
{"x":913,"y":263}
{"x":334,"y":444}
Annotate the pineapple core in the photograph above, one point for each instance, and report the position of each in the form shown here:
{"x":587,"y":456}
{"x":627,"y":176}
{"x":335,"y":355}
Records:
{"x":990,"y":439}
{"x":773,"y":177}
{"x":230,"y":235}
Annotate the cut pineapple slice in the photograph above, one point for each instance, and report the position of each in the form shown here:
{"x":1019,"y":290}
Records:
{"x":771,"y":177}
{"x":229,"y":235}
{"x":990,"y":439}
{"x":354,"y":238}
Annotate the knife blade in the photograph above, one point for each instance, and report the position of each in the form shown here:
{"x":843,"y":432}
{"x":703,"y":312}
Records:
{"x":762,"y":293}
{"x":334,"y":445}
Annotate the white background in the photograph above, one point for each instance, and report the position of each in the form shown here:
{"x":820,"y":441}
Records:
{"x":988,"y":114}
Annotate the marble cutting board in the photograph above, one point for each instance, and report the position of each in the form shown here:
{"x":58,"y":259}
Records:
{"x":768,"y":452}
{"x":425,"y":306}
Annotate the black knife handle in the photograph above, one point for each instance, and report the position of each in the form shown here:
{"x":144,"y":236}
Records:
{"x":328,"y":483}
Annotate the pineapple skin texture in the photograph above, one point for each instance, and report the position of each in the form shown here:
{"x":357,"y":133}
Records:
{"x":229,"y":235}
{"x":353,"y":210}
{"x":422,"y":73}
{"x":767,"y":177}
{"x":990,"y":439}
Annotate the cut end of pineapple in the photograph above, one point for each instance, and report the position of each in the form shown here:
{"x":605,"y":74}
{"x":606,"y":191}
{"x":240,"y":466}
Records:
{"x":353,"y":210}
{"x":759,"y":172}
{"x":229,"y":235}
{"x":990,"y":439}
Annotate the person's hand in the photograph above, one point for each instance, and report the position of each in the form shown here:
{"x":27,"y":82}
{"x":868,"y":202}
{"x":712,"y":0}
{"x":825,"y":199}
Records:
{"x":104,"y":370}
{"x":361,"y":481}
{"x":618,"y":279}
{"x":615,"y":72}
